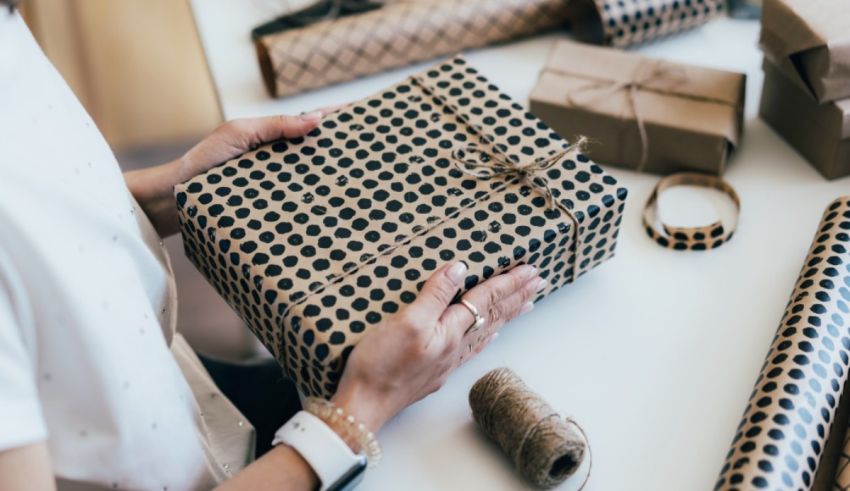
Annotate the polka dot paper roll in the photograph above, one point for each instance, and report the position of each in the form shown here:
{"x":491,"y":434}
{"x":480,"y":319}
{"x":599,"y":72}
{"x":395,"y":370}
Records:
{"x":622,"y":23}
{"x":315,"y":240}
{"x":791,"y":412}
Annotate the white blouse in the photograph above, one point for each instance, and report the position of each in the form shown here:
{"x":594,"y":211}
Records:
{"x":89,"y":361}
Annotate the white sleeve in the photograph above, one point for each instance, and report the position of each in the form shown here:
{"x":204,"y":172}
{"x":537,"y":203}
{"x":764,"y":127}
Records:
{"x":21,"y":420}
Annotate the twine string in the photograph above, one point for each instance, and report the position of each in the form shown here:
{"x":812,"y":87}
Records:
{"x":642,"y":76}
{"x":482,"y":165}
{"x":572,"y":421}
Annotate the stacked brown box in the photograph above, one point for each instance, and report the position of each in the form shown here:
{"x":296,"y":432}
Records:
{"x":806,"y":95}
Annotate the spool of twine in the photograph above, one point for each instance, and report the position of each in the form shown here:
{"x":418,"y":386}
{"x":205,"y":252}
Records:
{"x":545,"y":448}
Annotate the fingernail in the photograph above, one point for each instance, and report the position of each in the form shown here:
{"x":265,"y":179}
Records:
{"x":494,"y":337}
{"x":457,"y":272}
{"x":541,"y":284}
{"x":527,"y":308}
{"x":312,"y":117}
{"x":529,"y":272}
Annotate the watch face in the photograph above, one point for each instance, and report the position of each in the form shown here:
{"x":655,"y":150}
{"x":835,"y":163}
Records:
{"x":351,"y":478}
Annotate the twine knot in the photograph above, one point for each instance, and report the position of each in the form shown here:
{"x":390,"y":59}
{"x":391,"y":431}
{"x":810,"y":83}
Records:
{"x":645,"y":76}
{"x":480,"y":164}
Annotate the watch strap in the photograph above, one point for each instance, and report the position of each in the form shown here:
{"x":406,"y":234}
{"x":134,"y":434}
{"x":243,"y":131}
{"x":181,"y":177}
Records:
{"x":336,"y":465}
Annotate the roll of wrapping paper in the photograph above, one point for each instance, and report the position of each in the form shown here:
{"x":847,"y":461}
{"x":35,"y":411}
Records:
{"x":622,"y":23}
{"x":395,"y":35}
{"x":790,"y":414}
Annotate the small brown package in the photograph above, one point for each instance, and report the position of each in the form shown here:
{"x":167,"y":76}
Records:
{"x":809,"y":41}
{"x":820,"y":132}
{"x":639,"y":112}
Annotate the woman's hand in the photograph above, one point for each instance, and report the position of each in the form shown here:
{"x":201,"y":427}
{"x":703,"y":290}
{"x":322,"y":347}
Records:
{"x":153,"y":187}
{"x":411,"y":354}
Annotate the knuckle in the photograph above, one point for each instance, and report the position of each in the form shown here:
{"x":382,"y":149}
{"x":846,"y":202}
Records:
{"x":493,"y":296}
{"x":498,"y":311}
{"x":411,"y":321}
{"x":443,"y":290}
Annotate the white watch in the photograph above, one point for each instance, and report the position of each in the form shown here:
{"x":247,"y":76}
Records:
{"x":337,"y":467}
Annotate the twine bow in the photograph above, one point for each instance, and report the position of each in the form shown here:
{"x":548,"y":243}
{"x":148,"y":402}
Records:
{"x":482,"y":165}
{"x":641,"y":77}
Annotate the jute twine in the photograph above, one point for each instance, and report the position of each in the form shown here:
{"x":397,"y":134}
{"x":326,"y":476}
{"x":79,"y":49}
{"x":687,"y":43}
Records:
{"x":544,"y":447}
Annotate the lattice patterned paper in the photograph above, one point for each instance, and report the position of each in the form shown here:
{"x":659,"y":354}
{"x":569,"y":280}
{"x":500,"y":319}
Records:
{"x":396,"y":35}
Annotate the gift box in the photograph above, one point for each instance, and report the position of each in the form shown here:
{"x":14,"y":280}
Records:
{"x":373,"y":40}
{"x":809,"y":42}
{"x":639,"y":112}
{"x":623,"y":23}
{"x":315,"y":240}
{"x":819,"y":132}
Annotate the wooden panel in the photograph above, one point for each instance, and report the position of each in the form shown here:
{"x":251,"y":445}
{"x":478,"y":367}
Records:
{"x":136,"y":65}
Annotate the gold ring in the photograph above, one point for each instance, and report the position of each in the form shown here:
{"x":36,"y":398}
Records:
{"x":478,"y":323}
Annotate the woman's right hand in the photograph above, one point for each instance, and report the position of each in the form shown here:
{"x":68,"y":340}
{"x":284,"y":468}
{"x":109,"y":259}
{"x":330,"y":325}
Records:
{"x":411,"y":354}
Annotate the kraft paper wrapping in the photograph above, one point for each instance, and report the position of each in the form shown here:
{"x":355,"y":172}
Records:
{"x":397,"y":34}
{"x":692,"y":116}
{"x":809,"y":42}
{"x":315,"y":240}
{"x":790,"y":414}
{"x":623,"y":23}
{"x":819,"y":132}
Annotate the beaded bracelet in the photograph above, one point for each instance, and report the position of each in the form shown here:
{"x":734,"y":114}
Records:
{"x":337,"y":419}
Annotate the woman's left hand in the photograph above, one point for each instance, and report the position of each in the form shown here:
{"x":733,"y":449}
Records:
{"x":153,"y":187}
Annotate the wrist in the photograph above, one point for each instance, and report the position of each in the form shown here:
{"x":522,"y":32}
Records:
{"x":366,"y":408}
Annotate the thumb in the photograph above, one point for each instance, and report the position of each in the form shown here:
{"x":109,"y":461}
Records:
{"x":440,"y":290}
{"x":275,"y":127}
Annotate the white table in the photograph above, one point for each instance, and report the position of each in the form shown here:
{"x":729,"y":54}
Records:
{"x":655,"y":352}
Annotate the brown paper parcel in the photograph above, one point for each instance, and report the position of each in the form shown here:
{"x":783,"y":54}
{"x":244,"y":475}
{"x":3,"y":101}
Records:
{"x":623,"y":23}
{"x":312,"y":241}
{"x":692,"y":116}
{"x":809,"y":41}
{"x":820,"y":132}
{"x":396,"y":35}
{"x":790,"y":414}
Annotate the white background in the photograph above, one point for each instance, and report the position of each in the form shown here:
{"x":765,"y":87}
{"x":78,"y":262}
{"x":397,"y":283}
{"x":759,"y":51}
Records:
{"x":655,"y":352}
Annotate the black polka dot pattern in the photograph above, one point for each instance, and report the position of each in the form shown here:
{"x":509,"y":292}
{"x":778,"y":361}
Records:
{"x":788,"y":418}
{"x":629,"y":22}
{"x":690,"y":238}
{"x":315,"y":239}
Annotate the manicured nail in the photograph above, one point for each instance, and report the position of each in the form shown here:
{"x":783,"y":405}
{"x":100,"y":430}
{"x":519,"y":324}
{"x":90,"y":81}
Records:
{"x":541,"y":284}
{"x":527,"y":308}
{"x":529,"y":272}
{"x":457,"y":272}
{"x":312,"y":117}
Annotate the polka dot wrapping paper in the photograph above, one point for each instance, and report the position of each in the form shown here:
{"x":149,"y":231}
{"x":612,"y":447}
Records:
{"x":395,"y":35}
{"x":314,"y":240}
{"x":792,"y":409}
{"x":623,"y":23}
